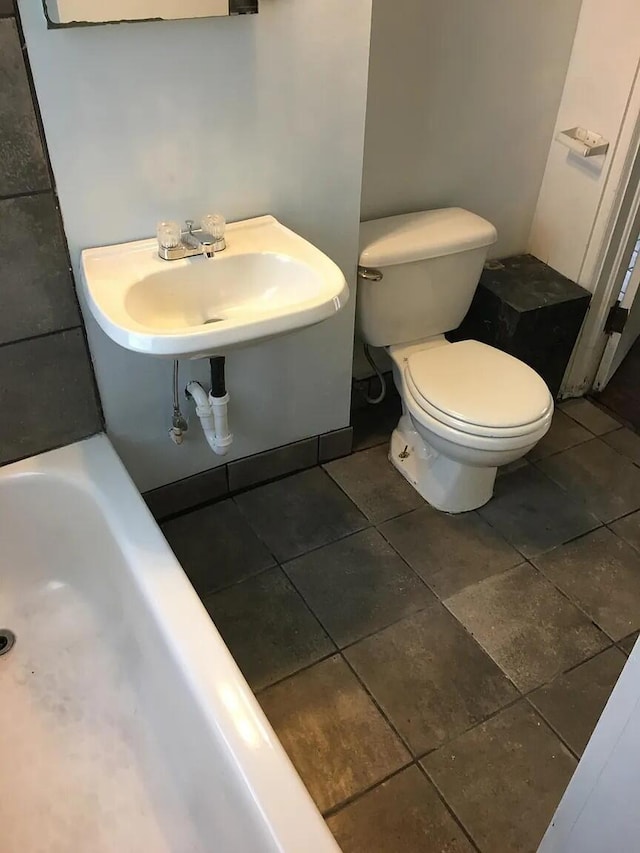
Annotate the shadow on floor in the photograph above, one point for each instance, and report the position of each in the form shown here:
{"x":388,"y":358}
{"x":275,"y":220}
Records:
{"x":622,"y":394}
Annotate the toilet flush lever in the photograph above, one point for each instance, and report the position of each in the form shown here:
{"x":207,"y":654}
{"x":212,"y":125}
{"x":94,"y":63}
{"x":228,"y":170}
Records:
{"x":369,"y":274}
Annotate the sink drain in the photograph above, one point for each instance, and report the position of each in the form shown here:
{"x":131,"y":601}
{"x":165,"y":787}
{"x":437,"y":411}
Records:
{"x":7,"y":639}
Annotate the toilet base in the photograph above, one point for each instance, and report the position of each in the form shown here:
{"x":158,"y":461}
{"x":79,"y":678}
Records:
{"x":444,"y":483}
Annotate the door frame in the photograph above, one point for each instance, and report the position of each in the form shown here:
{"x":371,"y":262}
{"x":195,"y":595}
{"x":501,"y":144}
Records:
{"x":610,"y":246}
{"x":615,"y":339}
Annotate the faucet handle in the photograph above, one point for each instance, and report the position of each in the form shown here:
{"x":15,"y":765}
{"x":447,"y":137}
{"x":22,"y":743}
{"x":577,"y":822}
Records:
{"x":168,"y":234}
{"x":215,"y":224}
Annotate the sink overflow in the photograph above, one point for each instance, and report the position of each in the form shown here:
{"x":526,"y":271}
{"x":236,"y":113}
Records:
{"x":7,"y":640}
{"x":213,"y":320}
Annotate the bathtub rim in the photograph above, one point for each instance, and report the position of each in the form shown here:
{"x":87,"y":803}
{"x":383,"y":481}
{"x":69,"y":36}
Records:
{"x":223,"y":696}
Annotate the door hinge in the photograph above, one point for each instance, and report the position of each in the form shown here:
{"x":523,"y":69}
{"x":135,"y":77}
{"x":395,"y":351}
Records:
{"x":616,"y":319}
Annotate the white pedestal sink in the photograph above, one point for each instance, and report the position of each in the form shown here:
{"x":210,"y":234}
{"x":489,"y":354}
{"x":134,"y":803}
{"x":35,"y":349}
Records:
{"x":267,"y":282}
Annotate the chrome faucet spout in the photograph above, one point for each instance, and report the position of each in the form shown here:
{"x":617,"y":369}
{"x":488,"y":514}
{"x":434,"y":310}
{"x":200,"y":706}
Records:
{"x":200,"y":240}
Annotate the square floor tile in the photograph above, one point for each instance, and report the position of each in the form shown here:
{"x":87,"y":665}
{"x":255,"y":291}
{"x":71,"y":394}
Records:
{"x":607,"y":483}
{"x":601,"y":573}
{"x":357,"y":586}
{"x":429,"y":677}
{"x":374,"y":485}
{"x":564,"y":433}
{"x":504,"y":779}
{"x":268,"y":628}
{"x":590,"y":416}
{"x":216,"y":546}
{"x":534,"y":514}
{"x":449,"y":551}
{"x":337,"y":739}
{"x":628,"y":643}
{"x":572,"y":704}
{"x":629,"y":529}
{"x":625,"y":441}
{"x":300,"y":513}
{"x":526,"y":625}
{"x":403,"y":813}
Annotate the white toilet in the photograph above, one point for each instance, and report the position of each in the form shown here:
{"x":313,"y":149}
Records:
{"x":467,"y":408}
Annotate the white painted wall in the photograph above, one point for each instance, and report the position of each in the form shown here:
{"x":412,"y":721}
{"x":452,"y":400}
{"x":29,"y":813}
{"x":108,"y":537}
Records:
{"x":463,"y":97}
{"x":577,"y":195}
{"x":249,"y":115}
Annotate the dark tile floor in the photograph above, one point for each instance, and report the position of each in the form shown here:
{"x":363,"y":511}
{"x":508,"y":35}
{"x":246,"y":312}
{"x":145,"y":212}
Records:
{"x":434,"y":678}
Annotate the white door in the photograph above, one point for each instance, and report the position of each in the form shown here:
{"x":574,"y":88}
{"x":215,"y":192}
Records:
{"x":600,"y":810}
{"x":620,"y":343}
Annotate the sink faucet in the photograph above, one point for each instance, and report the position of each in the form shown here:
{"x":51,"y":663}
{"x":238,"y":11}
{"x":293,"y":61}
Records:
{"x":175,"y":242}
{"x":201,"y":241}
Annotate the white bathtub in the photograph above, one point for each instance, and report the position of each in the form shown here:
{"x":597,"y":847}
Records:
{"x":125,"y":724}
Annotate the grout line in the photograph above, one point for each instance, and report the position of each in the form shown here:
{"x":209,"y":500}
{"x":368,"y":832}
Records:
{"x":572,"y":601}
{"x":457,"y":820}
{"x":343,"y":804}
{"x":29,"y":193}
{"x":546,"y":551}
{"x":449,"y":740}
{"x":608,"y":524}
{"x":618,"y":644}
{"x":48,"y":448}
{"x":280,"y":561}
{"x":624,"y":423}
{"x":592,"y":397}
{"x":40,"y":336}
{"x":391,"y":624}
{"x":258,"y":691}
{"x":431,"y":589}
{"x":385,"y":716}
{"x":215,"y":590}
{"x":555,"y":731}
{"x":535,"y":460}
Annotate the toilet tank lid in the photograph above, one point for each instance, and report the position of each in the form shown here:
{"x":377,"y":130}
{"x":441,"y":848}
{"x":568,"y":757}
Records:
{"x":418,"y":236}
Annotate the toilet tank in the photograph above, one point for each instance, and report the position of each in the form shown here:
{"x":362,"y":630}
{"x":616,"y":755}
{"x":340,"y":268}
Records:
{"x":430,"y":263}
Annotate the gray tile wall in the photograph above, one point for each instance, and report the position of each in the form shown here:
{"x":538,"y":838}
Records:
{"x":47,"y":390}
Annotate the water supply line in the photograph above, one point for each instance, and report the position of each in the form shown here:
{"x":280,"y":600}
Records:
{"x":383,"y":382}
{"x":212,"y":408}
{"x":179,"y":423}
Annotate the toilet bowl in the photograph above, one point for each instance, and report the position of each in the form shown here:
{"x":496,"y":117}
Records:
{"x":452,"y":438}
{"x":467,"y":408}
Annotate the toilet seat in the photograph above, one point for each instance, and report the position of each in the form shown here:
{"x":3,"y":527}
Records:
{"x":477,"y":390}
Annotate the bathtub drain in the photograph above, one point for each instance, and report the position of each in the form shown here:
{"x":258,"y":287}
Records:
{"x":7,"y":639}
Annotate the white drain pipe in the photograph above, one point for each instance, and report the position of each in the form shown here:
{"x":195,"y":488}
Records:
{"x":213,"y":414}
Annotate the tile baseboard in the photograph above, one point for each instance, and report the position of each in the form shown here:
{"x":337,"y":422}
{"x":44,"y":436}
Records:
{"x":217,"y":483}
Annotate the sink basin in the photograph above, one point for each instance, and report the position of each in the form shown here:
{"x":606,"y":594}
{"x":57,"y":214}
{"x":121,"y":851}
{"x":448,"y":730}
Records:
{"x":267,"y":282}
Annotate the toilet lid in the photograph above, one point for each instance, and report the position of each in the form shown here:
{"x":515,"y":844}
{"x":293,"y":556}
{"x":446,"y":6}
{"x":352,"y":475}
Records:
{"x":469,"y":384}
